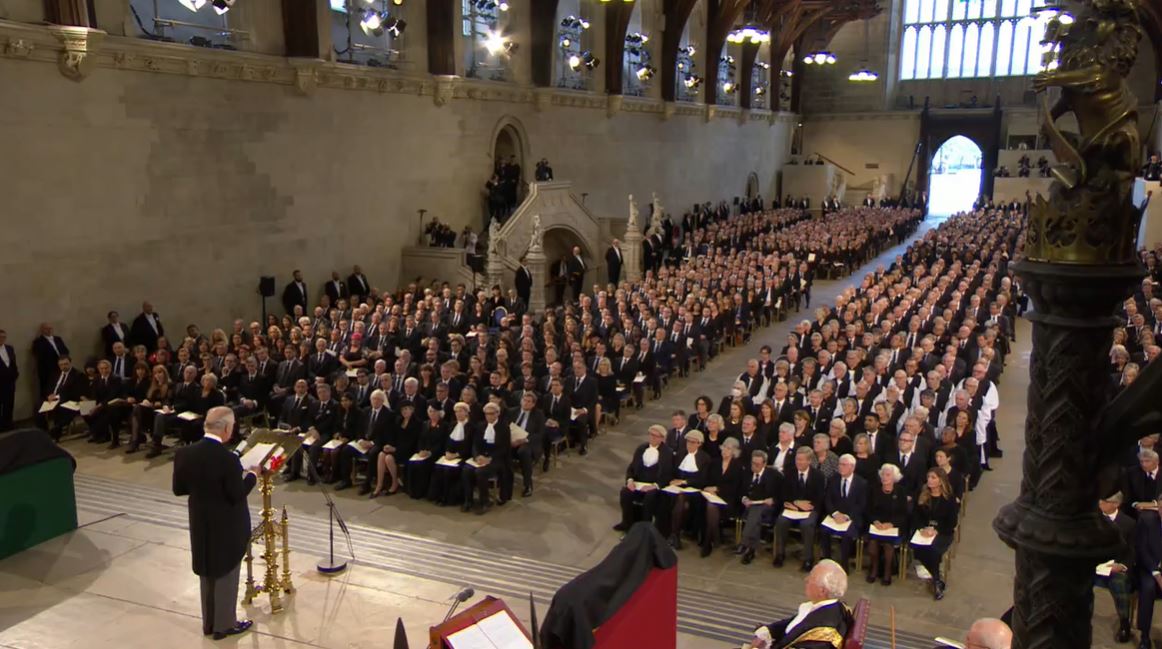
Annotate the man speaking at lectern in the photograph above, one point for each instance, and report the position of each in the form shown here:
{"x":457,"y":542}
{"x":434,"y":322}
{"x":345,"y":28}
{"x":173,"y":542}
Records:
{"x":212,"y":476}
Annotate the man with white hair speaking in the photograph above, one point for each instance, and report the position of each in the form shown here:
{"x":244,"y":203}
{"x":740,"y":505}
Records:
{"x":212,"y":476}
{"x":822,"y":621}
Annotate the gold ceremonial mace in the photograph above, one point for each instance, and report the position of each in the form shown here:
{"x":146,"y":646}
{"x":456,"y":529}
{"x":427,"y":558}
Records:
{"x":270,"y":531}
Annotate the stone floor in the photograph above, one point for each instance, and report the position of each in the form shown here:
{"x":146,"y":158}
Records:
{"x":124,"y":581}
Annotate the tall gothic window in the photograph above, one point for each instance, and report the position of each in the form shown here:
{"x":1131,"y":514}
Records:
{"x":950,"y":39}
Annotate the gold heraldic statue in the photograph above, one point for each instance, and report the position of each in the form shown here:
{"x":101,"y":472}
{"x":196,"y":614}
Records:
{"x":1090,"y":217}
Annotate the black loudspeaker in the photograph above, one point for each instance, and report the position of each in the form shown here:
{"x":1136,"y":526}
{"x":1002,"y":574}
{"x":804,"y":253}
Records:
{"x":266,"y":286}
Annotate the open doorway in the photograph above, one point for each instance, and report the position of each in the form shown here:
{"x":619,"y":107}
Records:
{"x":954,"y":179}
{"x":506,"y":182}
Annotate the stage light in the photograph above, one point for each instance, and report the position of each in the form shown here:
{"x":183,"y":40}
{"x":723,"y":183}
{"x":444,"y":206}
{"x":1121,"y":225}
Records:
{"x":372,"y":23}
{"x":728,"y":87}
{"x":503,"y":6}
{"x":589,"y":60}
{"x":820,"y":58}
{"x":397,"y":2}
{"x":565,"y":42}
{"x":222,"y":6}
{"x":693,"y":81}
{"x":495,"y":42}
{"x":646,"y":72}
{"x":863,"y":75}
{"x":192,"y":5}
{"x":395,"y":26}
{"x":574,"y":62}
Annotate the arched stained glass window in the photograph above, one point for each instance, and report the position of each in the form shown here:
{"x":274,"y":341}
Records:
{"x":938,"y":40}
{"x":908,"y":54}
{"x":984,"y":59}
{"x":1005,"y":52}
{"x":923,"y":47}
{"x":949,"y":39}
{"x":955,"y":51}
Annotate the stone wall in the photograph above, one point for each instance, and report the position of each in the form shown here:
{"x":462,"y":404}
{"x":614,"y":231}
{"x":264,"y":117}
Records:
{"x":152,"y":180}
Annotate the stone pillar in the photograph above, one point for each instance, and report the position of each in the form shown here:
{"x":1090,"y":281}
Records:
{"x":631,"y":245}
{"x":1079,"y":264}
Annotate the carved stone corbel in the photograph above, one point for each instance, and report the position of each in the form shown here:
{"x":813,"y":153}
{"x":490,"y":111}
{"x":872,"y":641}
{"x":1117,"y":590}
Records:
{"x":542,"y":99}
{"x":613,"y":105}
{"x":18,"y":48}
{"x":79,"y":47}
{"x":306,"y":76}
{"x":445,"y":89}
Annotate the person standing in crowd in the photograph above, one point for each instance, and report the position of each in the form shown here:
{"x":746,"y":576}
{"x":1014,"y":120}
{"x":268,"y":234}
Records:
{"x":47,"y":349}
{"x":576,"y":268}
{"x":9,"y":372}
{"x":524,"y":281}
{"x":219,"y":518}
{"x":295,"y":294}
{"x":147,"y":328}
{"x":613,"y":262}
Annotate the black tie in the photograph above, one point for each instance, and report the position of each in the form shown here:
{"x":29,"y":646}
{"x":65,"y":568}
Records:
{"x":845,"y":487}
{"x":117,"y":367}
{"x":803,"y":480}
{"x":523,"y":418}
{"x":756,"y":479}
{"x":554,"y":406}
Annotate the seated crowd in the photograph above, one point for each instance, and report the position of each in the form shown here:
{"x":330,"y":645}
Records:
{"x":426,"y":390}
{"x":868,"y":426}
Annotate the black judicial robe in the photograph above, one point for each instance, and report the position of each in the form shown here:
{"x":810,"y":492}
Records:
{"x":823,"y":628}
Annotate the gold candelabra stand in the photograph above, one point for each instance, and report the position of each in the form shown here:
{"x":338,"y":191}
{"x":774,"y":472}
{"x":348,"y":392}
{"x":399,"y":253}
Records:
{"x":271,"y":532}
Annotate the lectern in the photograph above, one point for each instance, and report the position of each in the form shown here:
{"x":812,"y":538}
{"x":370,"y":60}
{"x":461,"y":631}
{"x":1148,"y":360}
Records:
{"x":488,"y":623}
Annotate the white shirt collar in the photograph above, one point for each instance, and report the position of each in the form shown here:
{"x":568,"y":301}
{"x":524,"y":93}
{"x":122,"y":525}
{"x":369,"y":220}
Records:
{"x":805,"y":609}
{"x":1112,"y":516}
{"x":214,"y":437}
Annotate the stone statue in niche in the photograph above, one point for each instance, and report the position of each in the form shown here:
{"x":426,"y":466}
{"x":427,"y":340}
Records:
{"x":493,"y":237}
{"x":536,"y":243}
{"x":656,"y":217}
{"x":632,"y":223}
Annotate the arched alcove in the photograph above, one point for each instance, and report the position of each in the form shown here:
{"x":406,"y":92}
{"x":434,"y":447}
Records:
{"x":752,"y":185}
{"x":954,"y":176}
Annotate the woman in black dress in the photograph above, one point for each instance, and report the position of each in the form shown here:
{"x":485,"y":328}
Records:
{"x":935,"y":518}
{"x":727,"y":475}
{"x":418,"y":473}
{"x":887,"y":508}
{"x":867,"y":465}
{"x":158,"y":394}
{"x":702,"y":408}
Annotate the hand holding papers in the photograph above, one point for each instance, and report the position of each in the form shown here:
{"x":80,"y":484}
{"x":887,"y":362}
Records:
{"x":713,"y":499}
{"x":836,"y":526}
{"x":574,"y":413}
{"x":363,"y":445}
{"x":333,"y":444}
{"x":48,"y":406}
{"x":793,"y":515}
{"x":1105,"y":569}
{"x":674,"y":489}
{"x":257,"y":455}
{"x":189,"y":416}
{"x":919,"y":539}
{"x":445,"y":461}
{"x":519,"y":435}
{"x":420,"y":457}
{"x":887,"y":533}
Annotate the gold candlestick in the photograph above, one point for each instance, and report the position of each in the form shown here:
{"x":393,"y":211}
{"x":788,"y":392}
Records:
{"x":251,"y":589}
{"x":287,"y":586}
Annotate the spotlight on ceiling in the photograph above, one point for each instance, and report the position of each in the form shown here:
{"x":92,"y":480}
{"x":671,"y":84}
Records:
{"x":863,"y":75}
{"x":589,"y":60}
{"x":729,"y":87}
{"x":192,"y":5}
{"x":574,"y":62}
{"x":693,"y":81}
{"x":395,"y":26}
{"x":222,"y":6}
{"x":646,"y":72}
{"x":565,"y":42}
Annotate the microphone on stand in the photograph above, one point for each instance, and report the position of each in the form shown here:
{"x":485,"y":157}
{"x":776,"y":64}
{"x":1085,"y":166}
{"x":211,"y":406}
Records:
{"x":459,"y":598}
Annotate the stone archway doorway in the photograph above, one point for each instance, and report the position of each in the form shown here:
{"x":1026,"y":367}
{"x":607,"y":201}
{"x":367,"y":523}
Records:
{"x":752,"y":185}
{"x":558,"y":247}
{"x":954,"y":176}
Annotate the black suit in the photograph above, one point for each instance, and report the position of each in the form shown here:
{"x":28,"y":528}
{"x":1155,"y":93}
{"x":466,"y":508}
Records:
{"x":853,"y":504}
{"x":914,"y":472}
{"x":378,"y":428}
{"x":524,"y":283}
{"x":336,"y":292}
{"x":212,"y":477}
{"x":1148,"y":551}
{"x":9,"y":372}
{"x":583,"y":394}
{"x":143,"y":333}
{"x":46,"y":361}
{"x":575,"y":266}
{"x":757,"y":488}
{"x":293,"y":295}
{"x":1137,"y":487}
{"x":613,"y":264}
{"x":499,"y":452}
{"x":357,"y":284}
{"x":794,"y":488}
{"x":660,"y":473}
{"x":111,"y":334}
